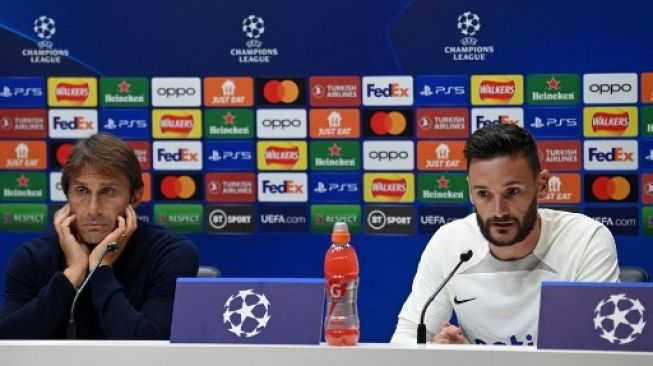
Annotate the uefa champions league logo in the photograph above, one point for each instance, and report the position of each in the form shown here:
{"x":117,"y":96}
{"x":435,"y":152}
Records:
{"x":469,"y":24}
{"x":45,"y":27}
{"x":246,"y":313}
{"x":619,"y":319}
{"x":254,"y":26}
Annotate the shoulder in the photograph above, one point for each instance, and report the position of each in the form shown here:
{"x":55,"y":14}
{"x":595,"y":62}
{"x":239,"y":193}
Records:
{"x":573,"y":230}
{"x":42,"y":254}
{"x":161,"y":240}
{"x":456,"y":237}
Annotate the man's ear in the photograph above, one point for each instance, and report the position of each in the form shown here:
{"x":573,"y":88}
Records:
{"x":543,"y":181}
{"x":137,"y":196}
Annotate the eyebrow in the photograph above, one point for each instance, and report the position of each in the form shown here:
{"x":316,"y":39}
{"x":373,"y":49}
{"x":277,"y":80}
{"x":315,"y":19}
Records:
{"x":513,"y":182}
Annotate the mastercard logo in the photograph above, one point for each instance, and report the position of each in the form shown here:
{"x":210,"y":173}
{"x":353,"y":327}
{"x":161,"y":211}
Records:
{"x":178,"y":187}
{"x":611,"y":188}
{"x":388,"y":123}
{"x":62,"y":153}
{"x":285,"y":91}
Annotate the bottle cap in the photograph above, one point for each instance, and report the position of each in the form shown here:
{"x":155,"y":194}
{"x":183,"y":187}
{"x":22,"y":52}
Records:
{"x":340,"y":233}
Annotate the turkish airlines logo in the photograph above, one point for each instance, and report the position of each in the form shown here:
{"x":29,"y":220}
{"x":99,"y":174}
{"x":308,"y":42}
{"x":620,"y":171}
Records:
{"x":610,"y":155}
{"x":442,"y":122}
{"x":72,"y":123}
{"x":142,"y":151}
{"x":647,"y":188}
{"x":287,"y":187}
{"x":230,"y":187}
{"x":177,"y":187}
{"x":387,"y":90}
{"x":610,"y":121}
{"x":388,"y":155}
{"x":611,"y":188}
{"x":610,"y":88}
{"x":559,"y":154}
{"x":23,"y":123}
{"x":281,"y":123}
{"x":176,"y":92}
{"x":335,"y":91}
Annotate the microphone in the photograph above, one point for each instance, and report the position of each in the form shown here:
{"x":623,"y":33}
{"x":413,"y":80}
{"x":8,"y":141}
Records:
{"x":71,"y":331}
{"x":421,"y":328}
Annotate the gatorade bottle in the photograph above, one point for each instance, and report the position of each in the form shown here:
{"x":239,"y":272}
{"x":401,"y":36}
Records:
{"x":341,"y":325}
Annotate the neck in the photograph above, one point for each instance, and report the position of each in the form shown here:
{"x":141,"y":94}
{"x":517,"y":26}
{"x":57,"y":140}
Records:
{"x":521,"y":249}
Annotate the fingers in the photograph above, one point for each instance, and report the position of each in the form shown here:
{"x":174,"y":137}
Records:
{"x":449,"y":334}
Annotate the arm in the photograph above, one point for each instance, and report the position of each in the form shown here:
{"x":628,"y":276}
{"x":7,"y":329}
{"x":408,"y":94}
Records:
{"x":120,"y":320}
{"x":599,"y":261}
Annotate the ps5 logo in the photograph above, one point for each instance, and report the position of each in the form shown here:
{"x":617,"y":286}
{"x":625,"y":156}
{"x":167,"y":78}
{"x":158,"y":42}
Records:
{"x":230,"y":155}
{"x":554,"y":122}
{"x":335,"y":187}
{"x":442,"y":90}
{"x":113,"y":124}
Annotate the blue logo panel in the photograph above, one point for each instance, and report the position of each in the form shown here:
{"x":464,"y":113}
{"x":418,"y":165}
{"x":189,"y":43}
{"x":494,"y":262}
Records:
{"x":554,"y":122}
{"x":229,"y":155}
{"x":126,"y":123}
{"x":645,"y":154}
{"x":431,"y":218}
{"x":442,"y":90}
{"x":22,"y":92}
{"x":283,"y":219}
{"x":620,"y":220}
{"x":335,"y":187}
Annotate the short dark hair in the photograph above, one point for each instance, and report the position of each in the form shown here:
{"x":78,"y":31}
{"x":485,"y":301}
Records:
{"x":502,"y":140}
{"x":108,"y":154}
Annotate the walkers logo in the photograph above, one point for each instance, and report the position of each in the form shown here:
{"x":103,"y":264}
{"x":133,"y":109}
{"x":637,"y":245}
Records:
{"x":442,"y":187}
{"x":45,"y":28}
{"x":72,"y":123}
{"x":611,"y":188}
{"x":441,"y":155}
{"x":176,"y":123}
{"x":335,"y":187}
{"x":647,"y":218}
{"x":228,"y":123}
{"x":72,"y":92}
{"x":442,"y":123}
{"x":391,"y":187}
{"x":177,"y":155}
{"x":647,"y":121}
{"x":469,"y":24}
{"x":229,"y":155}
{"x":142,"y":151}
{"x":610,"y":88}
{"x":124,"y":92}
{"x":286,"y":187}
{"x":230,"y":187}
{"x":23,"y":123}
{"x":16,"y":186}
{"x":388,"y":155}
{"x":281,"y":91}
{"x":281,"y":123}
{"x":176,"y":92}
{"x":431,"y":218}
{"x":59,"y":151}
{"x":381,"y":219}
{"x":647,"y":188}
{"x":253,"y":27}
{"x":559,"y":154}
{"x":387,"y":90}
{"x":562,"y":188}
{"x":185,"y":218}
{"x":335,"y":155}
{"x":56,"y":190}
{"x":126,"y":123}
{"x":282,"y":155}
{"x":335,"y":123}
{"x":482,"y":117}
{"x":283,"y":219}
{"x":335,"y":91}
{"x":323,"y":217}
{"x":610,"y":121}
{"x":392,"y":123}
{"x":442,"y":90}
{"x":230,"y":219}
{"x":23,"y":216}
{"x":610,"y":155}
{"x":620,"y":221}
{"x":647,"y":87}
{"x":497,"y":89}
{"x":547,"y":89}
{"x":22,"y":92}
{"x":554,"y":122}
{"x":177,"y":187}
{"x":646,"y":151}
{"x":228,"y":92}
{"x":23,"y":155}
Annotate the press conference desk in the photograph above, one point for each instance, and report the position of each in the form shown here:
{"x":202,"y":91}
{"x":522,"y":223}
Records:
{"x":161,"y":353}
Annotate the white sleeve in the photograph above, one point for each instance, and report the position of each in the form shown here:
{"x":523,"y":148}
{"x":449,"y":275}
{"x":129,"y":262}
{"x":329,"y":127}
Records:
{"x":427,"y":279}
{"x":599,"y":263}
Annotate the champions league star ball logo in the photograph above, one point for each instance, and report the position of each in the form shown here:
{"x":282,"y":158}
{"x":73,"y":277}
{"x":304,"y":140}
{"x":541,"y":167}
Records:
{"x":619,"y":319}
{"x":253,"y":26}
{"x":246,"y":313}
{"x":44,"y":27}
{"x":469,"y":23}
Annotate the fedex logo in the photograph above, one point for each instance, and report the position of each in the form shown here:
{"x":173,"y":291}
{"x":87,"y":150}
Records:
{"x":482,"y":117}
{"x":287,"y":187}
{"x":72,"y":123}
{"x":610,"y":155}
{"x":388,"y":90}
{"x":177,"y":155}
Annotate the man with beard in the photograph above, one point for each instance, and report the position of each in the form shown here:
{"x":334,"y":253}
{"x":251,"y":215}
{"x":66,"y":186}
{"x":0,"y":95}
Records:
{"x":130,"y":294}
{"x":516,"y":246}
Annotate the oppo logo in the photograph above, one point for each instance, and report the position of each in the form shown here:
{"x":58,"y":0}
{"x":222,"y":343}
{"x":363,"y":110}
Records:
{"x":610,"y":88}
{"x":175,"y":92}
{"x":281,"y":123}
{"x":388,"y":155}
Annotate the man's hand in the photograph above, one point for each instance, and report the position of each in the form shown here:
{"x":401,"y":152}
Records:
{"x":75,"y":252}
{"x":449,"y":334}
{"x":121,"y":234}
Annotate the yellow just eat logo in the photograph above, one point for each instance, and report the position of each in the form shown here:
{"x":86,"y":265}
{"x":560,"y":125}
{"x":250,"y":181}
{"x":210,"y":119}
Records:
{"x":610,"y":121}
{"x":389,"y":187}
{"x":72,"y":92}
{"x":497,"y":89}
{"x":282,"y":155}
{"x":176,"y":123}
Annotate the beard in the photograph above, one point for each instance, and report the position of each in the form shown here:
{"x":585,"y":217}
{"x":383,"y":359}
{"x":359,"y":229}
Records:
{"x":524,"y":226}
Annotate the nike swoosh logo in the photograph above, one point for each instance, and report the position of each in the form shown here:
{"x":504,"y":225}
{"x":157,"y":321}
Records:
{"x":458,"y":302}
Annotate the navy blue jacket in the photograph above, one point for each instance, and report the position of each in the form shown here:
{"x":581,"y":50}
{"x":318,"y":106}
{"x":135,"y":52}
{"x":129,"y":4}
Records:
{"x":131,"y":300}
